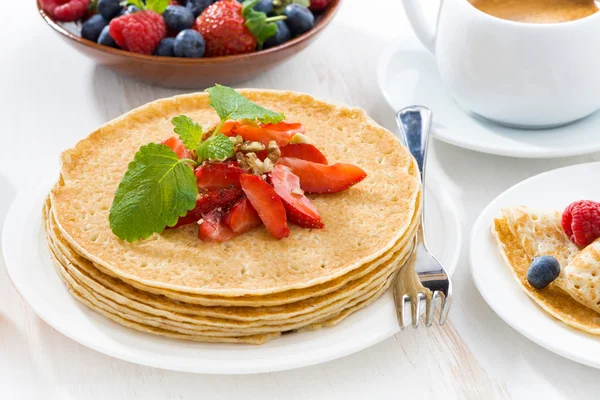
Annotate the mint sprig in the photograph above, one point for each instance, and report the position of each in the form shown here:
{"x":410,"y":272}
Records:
{"x":261,"y":26}
{"x":189,"y":131}
{"x":156,"y":190}
{"x":216,"y":148}
{"x":229,"y":104}
{"x":158,"y":6}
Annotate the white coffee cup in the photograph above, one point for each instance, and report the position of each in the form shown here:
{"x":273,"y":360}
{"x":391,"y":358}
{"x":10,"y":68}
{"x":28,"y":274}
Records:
{"x":514,"y":73}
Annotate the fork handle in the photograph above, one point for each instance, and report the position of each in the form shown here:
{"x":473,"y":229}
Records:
{"x":414,"y":123}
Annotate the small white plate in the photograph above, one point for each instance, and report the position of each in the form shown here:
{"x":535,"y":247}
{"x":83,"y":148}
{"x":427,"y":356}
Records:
{"x":496,"y":282}
{"x":31,"y":271}
{"x":407,"y":75}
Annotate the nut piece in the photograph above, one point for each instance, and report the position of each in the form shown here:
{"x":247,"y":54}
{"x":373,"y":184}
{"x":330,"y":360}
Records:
{"x":273,"y":152}
{"x":236,"y":140}
{"x":248,"y":147}
{"x":299,"y":138}
{"x":242,"y":162}
{"x":257,"y":166}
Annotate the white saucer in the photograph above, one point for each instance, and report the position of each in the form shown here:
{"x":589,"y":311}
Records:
{"x":495,"y":281}
{"x":407,"y":75}
{"x":32,"y":273}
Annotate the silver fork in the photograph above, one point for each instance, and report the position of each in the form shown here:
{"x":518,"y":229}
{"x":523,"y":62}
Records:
{"x":423,"y":279}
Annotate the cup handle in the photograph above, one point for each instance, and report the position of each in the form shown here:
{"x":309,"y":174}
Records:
{"x":425,"y":33}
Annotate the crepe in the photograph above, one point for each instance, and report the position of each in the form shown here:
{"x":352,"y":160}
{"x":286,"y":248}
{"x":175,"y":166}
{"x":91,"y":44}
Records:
{"x":524,"y":233}
{"x":362,"y":223}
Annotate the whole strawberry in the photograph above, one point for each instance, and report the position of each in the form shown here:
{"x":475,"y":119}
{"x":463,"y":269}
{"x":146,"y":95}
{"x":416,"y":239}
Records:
{"x":65,"y":10}
{"x":139,"y":32}
{"x":230,"y":28}
{"x":581,"y":222}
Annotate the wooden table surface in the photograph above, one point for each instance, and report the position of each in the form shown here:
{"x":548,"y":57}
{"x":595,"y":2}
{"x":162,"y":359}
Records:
{"x":51,"y":96}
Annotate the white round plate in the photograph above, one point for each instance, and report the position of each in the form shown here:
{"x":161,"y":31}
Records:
{"x":32,"y":273}
{"x":495,"y":281}
{"x":407,"y":75}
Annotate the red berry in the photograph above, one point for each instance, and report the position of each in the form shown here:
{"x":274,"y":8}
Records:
{"x":267,"y":204}
{"x":242,"y":217}
{"x":581,"y":222}
{"x":212,"y":228}
{"x":224,"y":29}
{"x":318,"y":5}
{"x":65,"y":10}
{"x":138,"y":32}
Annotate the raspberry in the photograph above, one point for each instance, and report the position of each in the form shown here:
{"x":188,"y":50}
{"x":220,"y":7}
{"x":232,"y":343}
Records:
{"x":318,"y":5}
{"x":65,"y":10}
{"x":139,"y":32}
{"x":581,"y":222}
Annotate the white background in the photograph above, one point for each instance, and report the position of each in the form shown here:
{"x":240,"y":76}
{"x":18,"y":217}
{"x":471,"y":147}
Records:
{"x":51,"y":96}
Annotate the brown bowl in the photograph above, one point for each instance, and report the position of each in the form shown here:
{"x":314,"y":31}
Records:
{"x":193,"y":73}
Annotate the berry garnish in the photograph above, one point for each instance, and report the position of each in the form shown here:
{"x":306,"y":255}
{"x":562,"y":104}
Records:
{"x":267,"y":204}
{"x":65,"y":10}
{"x":320,"y":178}
{"x":318,"y":5}
{"x":219,"y":175}
{"x":283,"y":35}
{"x":304,"y":151}
{"x":198,"y":6}
{"x":105,"y":39}
{"x":212,"y":228}
{"x":242,"y":217}
{"x":542,"y":271}
{"x":581,"y":222}
{"x":189,"y":44}
{"x":165,"y":48}
{"x":300,"y":210}
{"x":138,"y":32}
{"x":299,"y":19}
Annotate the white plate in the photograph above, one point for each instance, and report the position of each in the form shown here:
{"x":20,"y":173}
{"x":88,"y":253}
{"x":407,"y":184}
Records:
{"x":31,"y":271}
{"x":496,"y":282}
{"x":407,"y":75}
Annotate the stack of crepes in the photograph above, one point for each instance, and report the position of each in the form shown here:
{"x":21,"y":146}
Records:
{"x":252,"y":288}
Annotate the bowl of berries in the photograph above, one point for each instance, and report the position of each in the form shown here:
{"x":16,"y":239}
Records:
{"x":188,"y":44}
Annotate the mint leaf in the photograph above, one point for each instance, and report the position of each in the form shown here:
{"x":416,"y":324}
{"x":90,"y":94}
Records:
{"x":216,"y":148}
{"x":257,"y":22}
{"x":158,"y":6}
{"x":229,"y":104}
{"x":156,"y":190}
{"x":189,"y":131}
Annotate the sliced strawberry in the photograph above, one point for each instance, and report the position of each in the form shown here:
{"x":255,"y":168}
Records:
{"x":212,"y":229}
{"x":242,"y":217}
{"x":219,"y":175}
{"x":289,"y":127}
{"x":268,"y":205}
{"x":211,"y":200}
{"x":300,"y":210}
{"x":304,"y":151}
{"x":178,"y":147}
{"x":260,"y":134}
{"x":227,"y":127}
{"x":319,"y":178}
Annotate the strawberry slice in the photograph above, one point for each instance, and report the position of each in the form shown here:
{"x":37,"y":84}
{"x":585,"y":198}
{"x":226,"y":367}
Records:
{"x":261,"y":134}
{"x":228,"y":126}
{"x":219,"y":175}
{"x":300,"y":210}
{"x":178,"y":147}
{"x":212,"y":229}
{"x":304,"y":151}
{"x":242,"y":217}
{"x":319,"y":178}
{"x":289,"y":127}
{"x":268,"y":205}
{"x":211,"y":200}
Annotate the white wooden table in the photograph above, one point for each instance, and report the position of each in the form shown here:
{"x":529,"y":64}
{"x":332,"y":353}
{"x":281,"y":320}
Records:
{"x":51,"y":96}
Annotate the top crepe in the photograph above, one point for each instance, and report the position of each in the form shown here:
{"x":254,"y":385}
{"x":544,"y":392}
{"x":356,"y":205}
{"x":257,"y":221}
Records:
{"x":361,"y":223}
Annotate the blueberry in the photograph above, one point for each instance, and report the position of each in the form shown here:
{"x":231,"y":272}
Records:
{"x":265,"y":6}
{"x":189,"y":43}
{"x":283,"y":35}
{"x":165,"y":48}
{"x":178,"y":18}
{"x":197,"y":6}
{"x":107,"y":40}
{"x":109,"y":8}
{"x":129,"y":10}
{"x":299,"y":18}
{"x":91,"y":28}
{"x":542,"y":271}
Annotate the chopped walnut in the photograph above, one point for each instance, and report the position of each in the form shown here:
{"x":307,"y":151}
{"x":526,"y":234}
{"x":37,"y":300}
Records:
{"x":236,"y":140}
{"x":257,"y":166}
{"x":242,"y":162}
{"x":200,"y":221}
{"x":248,"y":147}
{"x":273,"y":151}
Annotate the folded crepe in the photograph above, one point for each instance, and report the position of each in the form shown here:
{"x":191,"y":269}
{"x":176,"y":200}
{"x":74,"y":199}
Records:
{"x":524,"y":233}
